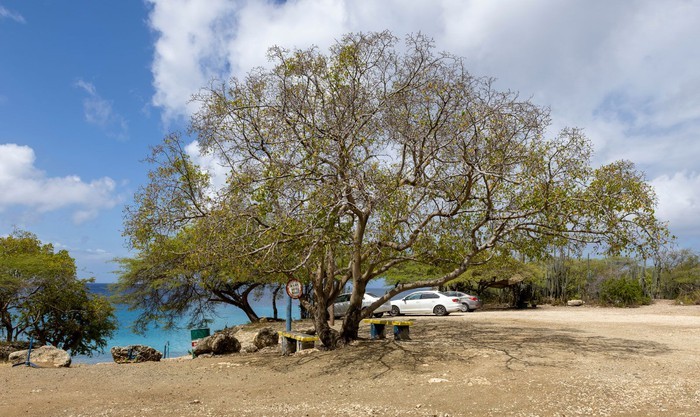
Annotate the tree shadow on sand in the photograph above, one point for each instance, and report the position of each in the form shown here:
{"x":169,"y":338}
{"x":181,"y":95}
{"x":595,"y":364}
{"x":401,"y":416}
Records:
{"x":517,"y":348}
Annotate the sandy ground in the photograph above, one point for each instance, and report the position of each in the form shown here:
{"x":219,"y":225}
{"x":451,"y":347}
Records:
{"x":549,"y":361}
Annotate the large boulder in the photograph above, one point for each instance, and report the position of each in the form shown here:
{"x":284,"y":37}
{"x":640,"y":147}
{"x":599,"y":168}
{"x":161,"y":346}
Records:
{"x":266,"y":337}
{"x":43,"y":357}
{"x":252,"y":340}
{"x":247,"y":339}
{"x":135,"y":354}
{"x":219,"y":343}
{"x":575,"y":303}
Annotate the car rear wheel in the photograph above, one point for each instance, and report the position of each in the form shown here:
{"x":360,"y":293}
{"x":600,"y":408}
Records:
{"x":440,"y":311}
{"x":377,"y":315}
{"x":394,"y":311}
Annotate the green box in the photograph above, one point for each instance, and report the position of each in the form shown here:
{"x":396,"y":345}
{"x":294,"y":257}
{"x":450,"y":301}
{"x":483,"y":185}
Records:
{"x":197,"y":334}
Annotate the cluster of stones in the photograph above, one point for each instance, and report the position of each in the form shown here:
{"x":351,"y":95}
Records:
{"x":235,"y":340}
{"x":232,"y":340}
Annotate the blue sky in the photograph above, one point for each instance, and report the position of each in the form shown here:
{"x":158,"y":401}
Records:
{"x":87,"y":86}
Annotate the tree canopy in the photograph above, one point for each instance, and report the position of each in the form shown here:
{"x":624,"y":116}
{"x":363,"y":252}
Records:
{"x":41,"y":297}
{"x":177,"y":277}
{"x":343,"y":166}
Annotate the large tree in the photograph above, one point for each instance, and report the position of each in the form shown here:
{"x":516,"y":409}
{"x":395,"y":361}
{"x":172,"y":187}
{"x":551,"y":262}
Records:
{"x":41,"y":297}
{"x":344,"y":165}
{"x":180,"y":276}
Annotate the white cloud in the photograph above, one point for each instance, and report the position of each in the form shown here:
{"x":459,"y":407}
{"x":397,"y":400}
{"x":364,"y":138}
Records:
{"x":209,"y":164}
{"x":679,"y":196}
{"x":627,"y":72}
{"x":99,"y":112}
{"x":189,"y":48}
{"x":9,"y":14}
{"x":22,"y":184}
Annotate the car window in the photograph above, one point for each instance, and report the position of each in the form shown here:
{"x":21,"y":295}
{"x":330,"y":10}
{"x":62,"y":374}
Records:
{"x":429,"y":295}
{"x":413,"y":297}
{"x":453,"y":294}
{"x":342,"y":298}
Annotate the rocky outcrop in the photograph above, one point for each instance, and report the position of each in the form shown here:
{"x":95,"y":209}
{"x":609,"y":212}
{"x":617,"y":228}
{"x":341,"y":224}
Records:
{"x":135,"y":354}
{"x":43,"y":357}
{"x":574,"y":303}
{"x":219,"y":343}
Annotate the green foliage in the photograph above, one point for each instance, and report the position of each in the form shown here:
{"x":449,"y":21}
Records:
{"x":185,"y":276}
{"x":678,"y":273}
{"x":623,"y":292}
{"x":378,"y":159}
{"x":40,"y":296}
{"x":411,"y":272}
{"x":689,"y":298}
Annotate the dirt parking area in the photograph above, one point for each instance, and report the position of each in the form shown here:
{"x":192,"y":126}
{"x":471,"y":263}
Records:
{"x":549,"y":361}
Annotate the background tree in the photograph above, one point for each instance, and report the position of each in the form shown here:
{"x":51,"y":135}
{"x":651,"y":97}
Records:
{"x":41,"y":296}
{"x":186,"y":275}
{"x":344,"y":166}
{"x":679,"y":275}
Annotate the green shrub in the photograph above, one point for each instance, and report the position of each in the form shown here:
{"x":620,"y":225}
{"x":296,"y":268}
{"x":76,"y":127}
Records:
{"x":623,"y":292}
{"x":689,"y":298}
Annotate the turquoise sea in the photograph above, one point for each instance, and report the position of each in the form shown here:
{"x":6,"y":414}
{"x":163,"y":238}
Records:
{"x":179,"y":340}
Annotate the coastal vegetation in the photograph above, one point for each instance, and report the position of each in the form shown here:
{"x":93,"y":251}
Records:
{"x":344,"y":167}
{"x":42,"y":298}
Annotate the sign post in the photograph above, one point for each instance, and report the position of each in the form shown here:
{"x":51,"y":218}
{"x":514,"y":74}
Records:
{"x":294,"y":291}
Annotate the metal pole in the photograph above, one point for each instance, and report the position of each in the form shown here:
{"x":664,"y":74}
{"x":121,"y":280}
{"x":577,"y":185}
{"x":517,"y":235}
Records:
{"x":289,"y":313}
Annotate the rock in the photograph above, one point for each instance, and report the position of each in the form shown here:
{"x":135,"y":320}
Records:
{"x":43,"y":357}
{"x":247,"y":340}
{"x":224,"y":343}
{"x":266,"y":337}
{"x":219,"y":343}
{"x":437,"y":380}
{"x":135,"y":354}
{"x":574,"y":303}
{"x":237,"y":339}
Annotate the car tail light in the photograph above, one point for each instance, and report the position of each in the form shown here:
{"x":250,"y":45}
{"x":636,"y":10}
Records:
{"x":455,"y":300}
{"x":474,"y":298}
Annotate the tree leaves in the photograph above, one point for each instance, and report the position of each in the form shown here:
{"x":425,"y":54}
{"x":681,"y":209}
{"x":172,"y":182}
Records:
{"x":380,"y":155}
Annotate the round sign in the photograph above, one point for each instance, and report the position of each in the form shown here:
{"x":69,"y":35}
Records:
{"x":294,"y":288}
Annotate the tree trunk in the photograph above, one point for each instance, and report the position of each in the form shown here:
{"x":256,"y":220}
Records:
{"x":319,"y":311}
{"x":274,"y":301}
{"x":9,"y":331}
{"x":327,"y":335}
{"x":231,"y":296}
{"x":325,"y":288}
{"x":351,"y":323}
{"x":248,"y":310}
{"x":7,"y":324}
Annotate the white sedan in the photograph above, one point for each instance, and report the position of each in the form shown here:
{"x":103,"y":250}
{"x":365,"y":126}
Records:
{"x":342,"y":303}
{"x":426,"y":302}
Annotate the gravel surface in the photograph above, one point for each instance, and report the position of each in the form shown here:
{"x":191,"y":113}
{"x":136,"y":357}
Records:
{"x":548,"y":361}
